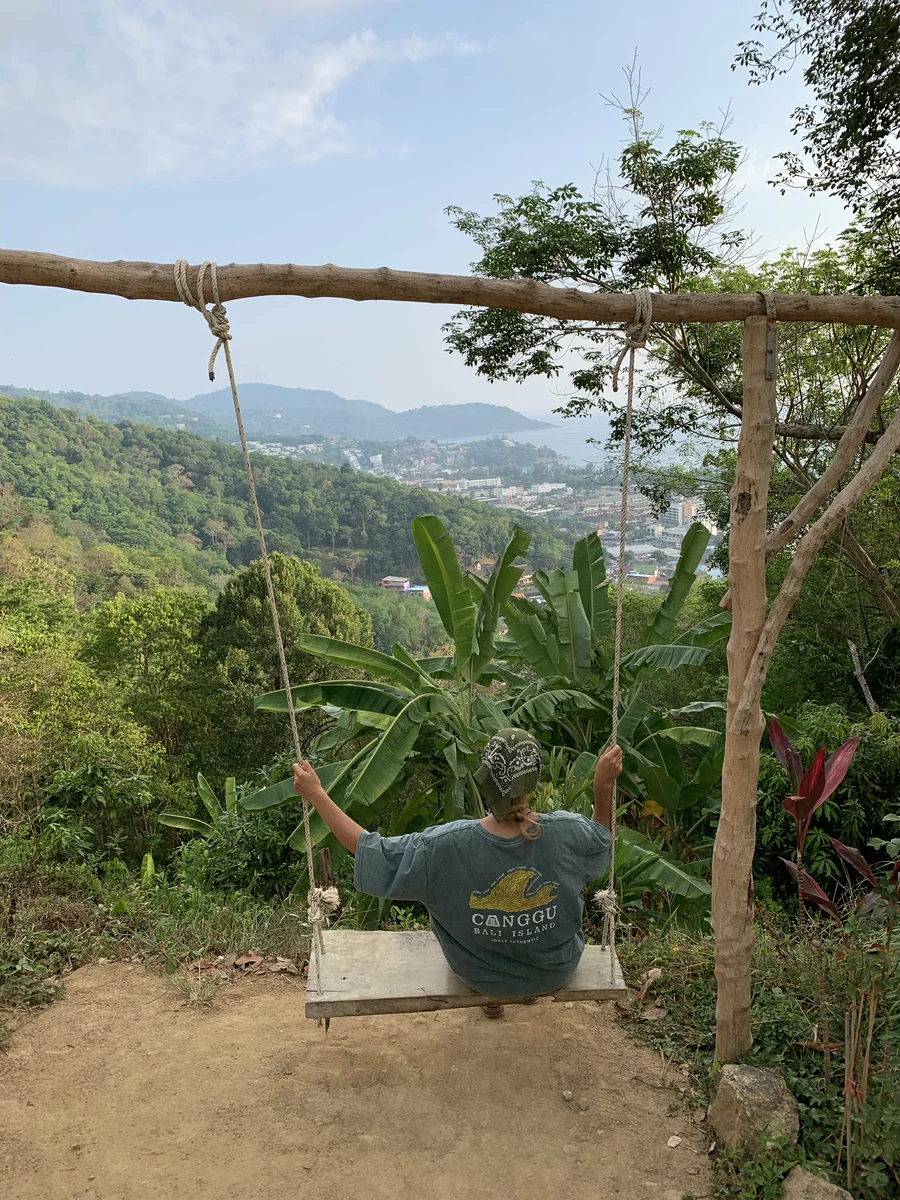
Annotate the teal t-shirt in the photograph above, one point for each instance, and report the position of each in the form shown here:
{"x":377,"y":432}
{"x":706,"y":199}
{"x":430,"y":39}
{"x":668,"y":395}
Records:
{"x":506,"y":911}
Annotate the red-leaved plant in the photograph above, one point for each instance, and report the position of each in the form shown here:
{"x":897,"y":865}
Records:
{"x":812,"y":789}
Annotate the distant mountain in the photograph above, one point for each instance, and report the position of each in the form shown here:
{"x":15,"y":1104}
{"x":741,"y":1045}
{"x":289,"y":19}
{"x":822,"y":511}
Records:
{"x":271,"y":411}
{"x":146,"y":408}
{"x":283,"y":411}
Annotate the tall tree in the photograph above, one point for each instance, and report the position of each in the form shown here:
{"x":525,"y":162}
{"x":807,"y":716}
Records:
{"x":851,"y":55}
{"x":666,"y":226}
{"x":150,"y":646}
{"x":239,"y":660}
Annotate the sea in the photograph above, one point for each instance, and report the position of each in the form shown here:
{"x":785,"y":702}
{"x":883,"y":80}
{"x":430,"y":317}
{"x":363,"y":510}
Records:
{"x":570,"y":438}
{"x":582,"y":441}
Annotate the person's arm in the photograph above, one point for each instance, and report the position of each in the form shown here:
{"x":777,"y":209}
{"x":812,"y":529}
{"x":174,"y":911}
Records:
{"x":344,"y":828}
{"x":607,"y":771}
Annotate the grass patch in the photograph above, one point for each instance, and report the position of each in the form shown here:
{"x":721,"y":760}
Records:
{"x":785,"y":1024}
{"x":61,"y":916}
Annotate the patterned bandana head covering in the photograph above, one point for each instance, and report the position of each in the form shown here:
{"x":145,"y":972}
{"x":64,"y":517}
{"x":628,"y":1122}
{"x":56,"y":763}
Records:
{"x":510,"y":767}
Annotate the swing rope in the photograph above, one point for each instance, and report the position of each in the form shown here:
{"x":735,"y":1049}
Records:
{"x":635,"y":339}
{"x":318,"y":899}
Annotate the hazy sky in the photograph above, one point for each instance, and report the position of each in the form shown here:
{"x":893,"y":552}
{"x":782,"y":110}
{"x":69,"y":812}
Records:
{"x":326,"y":130}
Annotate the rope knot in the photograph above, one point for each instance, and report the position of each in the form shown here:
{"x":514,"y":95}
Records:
{"x":610,"y":909}
{"x":217,"y":320}
{"x":215,"y":316}
{"x":606,"y":899}
{"x":320,"y":900}
{"x":637,"y":332}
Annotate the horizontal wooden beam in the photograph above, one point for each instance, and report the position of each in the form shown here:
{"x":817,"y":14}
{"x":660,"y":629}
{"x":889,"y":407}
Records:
{"x":237,"y":281}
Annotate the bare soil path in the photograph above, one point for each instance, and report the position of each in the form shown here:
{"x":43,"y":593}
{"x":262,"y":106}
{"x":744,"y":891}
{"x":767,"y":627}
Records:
{"x":121,"y":1092}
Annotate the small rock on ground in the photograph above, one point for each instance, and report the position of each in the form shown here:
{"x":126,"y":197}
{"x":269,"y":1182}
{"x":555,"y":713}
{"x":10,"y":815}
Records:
{"x":804,"y":1185}
{"x":750,"y":1103}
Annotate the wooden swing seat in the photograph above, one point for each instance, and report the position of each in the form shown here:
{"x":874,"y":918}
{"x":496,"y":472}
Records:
{"x":368,"y":974}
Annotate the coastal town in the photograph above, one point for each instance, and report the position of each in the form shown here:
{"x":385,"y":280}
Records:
{"x":533,"y":480}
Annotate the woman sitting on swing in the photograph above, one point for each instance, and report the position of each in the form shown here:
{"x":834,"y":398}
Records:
{"x":503,"y":893}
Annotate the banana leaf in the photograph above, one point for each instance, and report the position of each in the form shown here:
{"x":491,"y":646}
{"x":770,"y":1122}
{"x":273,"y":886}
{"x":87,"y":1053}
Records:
{"x":490,"y":715}
{"x":348,"y":654}
{"x":693,"y":547}
{"x":572,"y":628}
{"x":548,"y":705}
{"x":455,"y":792}
{"x":357,"y":694}
{"x":438,"y":667}
{"x":208,"y":796}
{"x":708,"y":776}
{"x":452,"y":599}
{"x":534,"y":632}
{"x":179,"y":821}
{"x":649,"y":659}
{"x":230,"y":794}
{"x":698,"y":706}
{"x":331,"y":776}
{"x":269,"y":797}
{"x":714,"y":629}
{"x":637,"y":856}
{"x":390,"y":752}
{"x":693,"y":735}
{"x":495,"y":594}
{"x":593,"y":586}
{"x":402,"y":655}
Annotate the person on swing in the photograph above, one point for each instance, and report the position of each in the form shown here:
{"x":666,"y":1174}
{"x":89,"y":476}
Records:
{"x":503,"y":892}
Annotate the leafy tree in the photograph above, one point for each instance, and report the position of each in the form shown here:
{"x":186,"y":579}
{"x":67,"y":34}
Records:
{"x":78,"y":769}
{"x":851,"y":52}
{"x":667,"y":228}
{"x":238,"y":659}
{"x":150,"y":646}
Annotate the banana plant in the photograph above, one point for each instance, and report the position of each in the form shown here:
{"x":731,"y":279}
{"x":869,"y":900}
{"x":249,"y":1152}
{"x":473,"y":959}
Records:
{"x":642,"y":865}
{"x":211,"y":803}
{"x":565,"y":642}
{"x":416,"y":718}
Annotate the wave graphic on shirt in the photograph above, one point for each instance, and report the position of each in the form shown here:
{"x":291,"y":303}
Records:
{"x":509,"y":893}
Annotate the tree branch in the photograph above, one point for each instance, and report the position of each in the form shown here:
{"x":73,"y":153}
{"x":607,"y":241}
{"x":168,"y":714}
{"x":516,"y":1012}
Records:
{"x":847,"y":449}
{"x":807,"y":549}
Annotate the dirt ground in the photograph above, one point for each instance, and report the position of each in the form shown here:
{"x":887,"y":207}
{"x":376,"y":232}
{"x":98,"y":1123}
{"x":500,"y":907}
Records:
{"x":122,"y":1092}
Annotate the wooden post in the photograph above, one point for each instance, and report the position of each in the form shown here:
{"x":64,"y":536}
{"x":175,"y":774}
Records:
{"x":732,"y":879}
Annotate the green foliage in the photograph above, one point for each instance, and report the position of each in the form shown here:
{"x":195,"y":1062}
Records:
{"x":55,"y":916}
{"x":852,"y":69}
{"x":242,"y":852}
{"x":238,"y":658}
{"x":423,"y":724}
{"x":412,"y":622}
{"x":757,"y":1176}
{"x":149,"y":647}
{"x":784,"y":1009}
{"x":173,"y":505}
{"x":568,"y":704}
{"x":672,"y":232}
{"x":417,"y":731}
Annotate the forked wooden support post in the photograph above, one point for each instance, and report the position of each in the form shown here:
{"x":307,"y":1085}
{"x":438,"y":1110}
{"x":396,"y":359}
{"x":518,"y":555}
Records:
{"x":732,"y":880}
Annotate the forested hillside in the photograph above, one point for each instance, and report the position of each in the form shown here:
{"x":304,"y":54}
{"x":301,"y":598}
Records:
{"x":176,"y":494}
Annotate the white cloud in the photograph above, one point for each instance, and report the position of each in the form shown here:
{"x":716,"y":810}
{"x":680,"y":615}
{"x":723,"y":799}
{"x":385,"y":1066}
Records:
{"x":112,"y":91}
